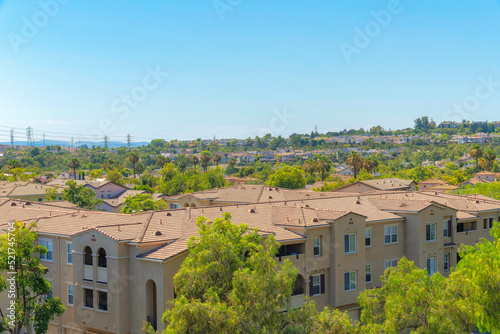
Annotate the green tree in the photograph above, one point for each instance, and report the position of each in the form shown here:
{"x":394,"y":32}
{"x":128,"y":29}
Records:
{"x":217,"y":159}
{"x":231,"y":163}
{"x":476,"y":153}
{"x":490,"y":158}
{"x":81,"y":196}
{"x":356,"y":162}
{"x":477,"y":277}
{"x":287,"y":177}
{"x":230,"y":283}
{"x":114,"y":175}
{"x":51,"y":193}
{"x":74,"y":164}
{"x":323,"y":165}
{"x":194,"y":160}
{"x":205,"y":158}
{"x":140,"y":168}
{"x":142,"y":202}
{"x":134,"y":159}
{"x":28,"y":288}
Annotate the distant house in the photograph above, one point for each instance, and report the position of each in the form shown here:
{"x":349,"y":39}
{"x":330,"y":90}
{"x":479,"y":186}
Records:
{"x":422,"y":185}
{"x":486,"y":176}
{"x":379,"y":184}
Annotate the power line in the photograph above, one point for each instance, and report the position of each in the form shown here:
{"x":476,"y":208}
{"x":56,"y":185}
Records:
{"x":12,"y":138}
{"x":29,"y":137}
{"x":106,"y":138}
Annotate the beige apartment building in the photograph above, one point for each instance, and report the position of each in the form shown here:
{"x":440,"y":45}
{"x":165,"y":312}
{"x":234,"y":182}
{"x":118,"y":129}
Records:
{"x":114,"y":271}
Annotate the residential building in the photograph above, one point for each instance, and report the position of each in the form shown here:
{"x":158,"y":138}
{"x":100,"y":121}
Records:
{"x":114,"y":271}
{"x":378,"y":184}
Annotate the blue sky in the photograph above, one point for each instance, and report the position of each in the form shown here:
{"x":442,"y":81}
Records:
{"x":231,"y":77}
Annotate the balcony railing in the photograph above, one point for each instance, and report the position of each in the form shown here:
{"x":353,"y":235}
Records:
{"x":102,"y":275}
{"x":88,"y":273}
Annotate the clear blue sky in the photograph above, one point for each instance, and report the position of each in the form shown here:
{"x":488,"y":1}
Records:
{"x":228,"y":77}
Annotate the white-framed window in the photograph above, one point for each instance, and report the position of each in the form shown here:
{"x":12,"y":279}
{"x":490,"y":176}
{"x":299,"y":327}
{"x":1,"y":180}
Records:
{"x":431,"y":265}
{"x":368,"y":269}
{"x":350,"y":243}
{"x":69,"y":253}
{"x":390,"y":234}
{"x":316,"y":285}
{"x":70,"y":294}
{"x":368,"y":237}
{"x":430,"y":232}
{"x":350,"y":281}
{"x":174,"y":205}
{"x":51,"y":293}
{"x":317,"y":246}
{"x":446,"y":261}
{"x":447,"y":228}
{"x":390,"y":263}
{"x":47,"y":243}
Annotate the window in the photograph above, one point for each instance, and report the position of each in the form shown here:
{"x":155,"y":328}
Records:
{"x":88,"y":256}
{"x":70,"y":294}
{"x":317,"y":284}
{"x":460,"y":227}
{"x":447,"y":228}
{"x":368,"y":237}
{"x":350,"y":281}
{"x":47,"y":244}
{"x":390,"y":263}
{"x":102,"y":258}
{"x":446,"y":262}
{"x":317,"y":246}
{"x":51,"y":292}
{"x":89,"y":297}
{"x":431,"y":265}
{"x":487,"y":223}
{"x":368,"y":273}
{"x":103,"y":300}
{"x":350,"y":243}
{"x":430,"y":232}
{"x":391,"y":234}
{"x":40,"y":200}
{"x":174,"y":205}
{"x":69,"y":252}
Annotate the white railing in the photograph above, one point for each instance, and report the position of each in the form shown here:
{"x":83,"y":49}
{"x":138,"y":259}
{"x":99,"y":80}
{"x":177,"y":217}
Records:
{"x":102,"y":275}
{"x":88,"y":273}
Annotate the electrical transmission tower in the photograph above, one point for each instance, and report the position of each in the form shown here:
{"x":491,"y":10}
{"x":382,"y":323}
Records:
{"x":128,"y":140}
{"x":12,"y":137}
{"x":44,"y":139}
{"x":30,"y":141}
{"x":106,"y":139}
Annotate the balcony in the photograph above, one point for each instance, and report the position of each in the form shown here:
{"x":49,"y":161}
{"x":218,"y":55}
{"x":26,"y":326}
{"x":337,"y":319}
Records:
{"x":102,"y":275}
{"x":296,"y":259}
{"x":296,"y":301}
{"x":88,"y":273}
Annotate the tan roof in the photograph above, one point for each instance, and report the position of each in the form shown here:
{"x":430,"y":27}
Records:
{"x":118,"y":200}
{"x":17,"y":189}
{"x":433,"y":181}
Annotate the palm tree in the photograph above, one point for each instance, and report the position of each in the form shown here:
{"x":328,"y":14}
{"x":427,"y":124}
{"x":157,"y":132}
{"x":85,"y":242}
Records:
{"x":323,"y":165}
{"x":231,"y":163}
{"x":109,"y":164}
{"x":476,"y":153}
{"x":134,"y":159}
{"x":309,"y":167}
{"x":182,"y":166}
{"x":205,"y":158}
{"x":490,"y":157}
{"x":370,"y":164}
{"x":74,"y":164}
{"x":194,"y":160}
{"x":217,"y":159}
{"x":140,"y":169}
{"x":161,"y":161}
{"x":356,"y":162}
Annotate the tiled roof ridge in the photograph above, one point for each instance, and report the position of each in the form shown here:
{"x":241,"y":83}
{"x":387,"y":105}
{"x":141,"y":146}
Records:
{"x":144,"y":228}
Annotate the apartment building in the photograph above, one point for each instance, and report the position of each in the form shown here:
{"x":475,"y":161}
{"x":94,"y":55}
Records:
{"x":114,"y":271}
